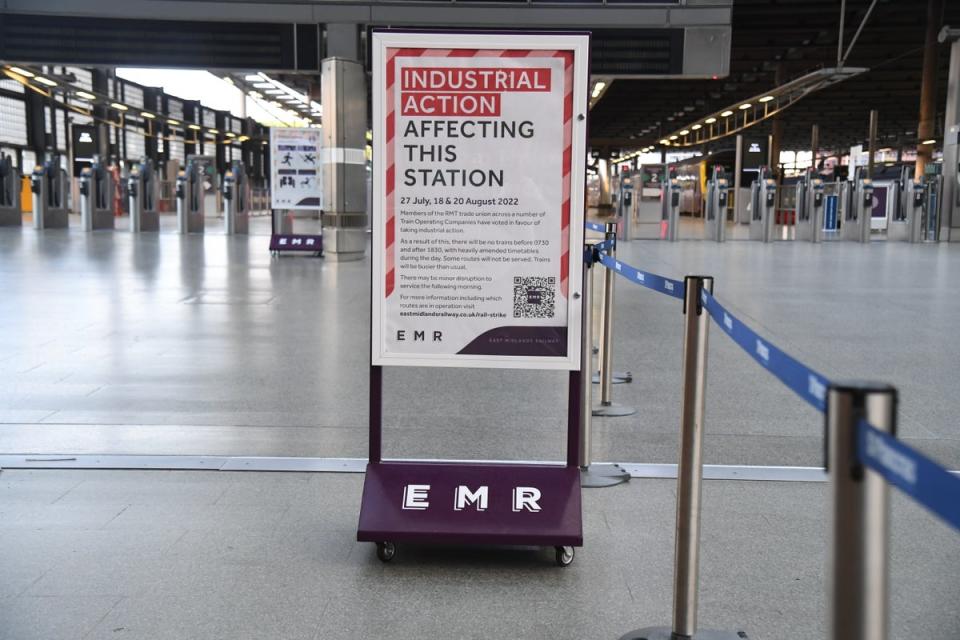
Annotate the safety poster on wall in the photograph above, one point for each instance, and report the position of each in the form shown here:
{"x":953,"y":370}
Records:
{"x":479,"y":152}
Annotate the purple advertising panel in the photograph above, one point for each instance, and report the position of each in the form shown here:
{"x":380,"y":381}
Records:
{"x":471,"y":504}
{"x":296,"y":242}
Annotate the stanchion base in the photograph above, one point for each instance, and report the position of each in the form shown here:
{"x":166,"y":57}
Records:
{"x":603,"y":475}
{"x":619,"y":377}
{"x":665,"y":633}
{"x":613,"y":410}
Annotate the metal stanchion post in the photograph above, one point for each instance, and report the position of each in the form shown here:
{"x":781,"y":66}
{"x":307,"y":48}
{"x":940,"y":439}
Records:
{"x":686,"y":567}
{"x":591,"y":475}
{"x":607,"y":408}
{"x":859,"y":575}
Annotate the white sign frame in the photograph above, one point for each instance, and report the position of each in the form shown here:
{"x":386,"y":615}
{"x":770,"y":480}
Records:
{"x":275,"y":192}
{"x":579,"y":45}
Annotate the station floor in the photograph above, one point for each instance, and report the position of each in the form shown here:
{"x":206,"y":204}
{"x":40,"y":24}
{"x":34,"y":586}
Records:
{"x":160,"y":344}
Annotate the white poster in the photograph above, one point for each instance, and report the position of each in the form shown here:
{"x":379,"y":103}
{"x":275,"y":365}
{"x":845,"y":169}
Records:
{"x":479,"y":144}
{"x":295,"y":178}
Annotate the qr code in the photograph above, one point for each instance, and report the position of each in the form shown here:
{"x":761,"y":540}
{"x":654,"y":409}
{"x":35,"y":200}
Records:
{"x":534,"y":297}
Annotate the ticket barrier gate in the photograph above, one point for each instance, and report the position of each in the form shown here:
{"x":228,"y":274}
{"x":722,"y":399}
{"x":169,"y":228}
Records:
{"x":190,"y":198}
{"x":716,"y":214}
{"x":810,"y":215}
{"x":10,"y":213}
{"x":763,"y":204}
{"x":927,"y":225}
{"x":670,"y":209}
{"x":236,"y":199}
{"x":49,"y":185}
{"x":143,"y":191}
{"x":856,"y":217}
{"x":96,"y":197}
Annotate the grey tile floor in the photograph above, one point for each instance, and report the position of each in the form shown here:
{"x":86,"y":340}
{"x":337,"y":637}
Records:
{"x":124,"y":555}
{"x":111,"y":343}
{"x":114,"y":343}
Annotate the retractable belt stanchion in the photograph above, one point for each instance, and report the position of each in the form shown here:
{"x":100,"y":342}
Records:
{"x":689,"y":476}
{"x":619,"y":377}
{"x":607,"y":407}
{"x":858,"y":589}
{"x":591,"y":475}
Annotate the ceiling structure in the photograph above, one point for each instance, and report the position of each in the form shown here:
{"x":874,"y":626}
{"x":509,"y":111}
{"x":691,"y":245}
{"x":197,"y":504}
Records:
{"x":798,"y":36}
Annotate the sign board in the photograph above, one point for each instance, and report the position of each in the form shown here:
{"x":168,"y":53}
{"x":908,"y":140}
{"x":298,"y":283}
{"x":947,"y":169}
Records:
{"x":479,"y":152}
{"x":295,"y":178}
{"x":85,"y":146}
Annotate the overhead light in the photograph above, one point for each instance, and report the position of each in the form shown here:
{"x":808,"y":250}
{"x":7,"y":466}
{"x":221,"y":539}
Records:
{"x":597,"y":88}
{"x":46,"y":81}
{"x":85,"y":95}
{"x":685,"y":132}
{"x":173,"y":122}
{"x":726,"y":114}
{"x":195,"y":127}
{"x":22,"y":72}
{"x":118,"y":106}
{"x":745,"y":105}
{"x":710,"y":120}
{"x":243,"y":138}
{"x":673,"y":137}
{"x":697,"y":126}
{"x":664,"y":141}
{"x":256,"y":94}
{"x":252,"y":77}
{"x":228,"y":79}
{"x":766,"y":99}
{"x":231,"y":134}
{"x":263,"y":85}
{"x":147,"y":114}
{"x":213,"y":131}
{"x":929,"y":142}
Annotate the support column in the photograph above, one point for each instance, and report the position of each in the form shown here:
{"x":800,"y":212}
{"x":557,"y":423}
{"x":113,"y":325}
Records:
{"x":220,"y":149}
{"x":36,"y":126}
{"x":739,"y":204}
{"x":926,"y":129}
{"x":191,"y":115}
{"x":776,"y":126}
{"x":872,"y":142}
{"x":151,"y":98}
{"x":950,"y":209}
{"x":343,"y":92}
{"x":814,"y":147}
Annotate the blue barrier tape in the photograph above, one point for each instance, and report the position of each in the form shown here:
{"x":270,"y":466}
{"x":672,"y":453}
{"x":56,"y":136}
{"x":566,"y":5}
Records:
{"x":595,"y":226}
{"x":606,"y":245}
{"x":652,"y":281}
{"x":910,"y":471}
{"x":805,"y":382}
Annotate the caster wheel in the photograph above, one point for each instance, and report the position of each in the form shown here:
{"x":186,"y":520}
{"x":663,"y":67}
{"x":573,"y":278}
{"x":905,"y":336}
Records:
{"x":387,"y":551}
{"x":564,"y":556}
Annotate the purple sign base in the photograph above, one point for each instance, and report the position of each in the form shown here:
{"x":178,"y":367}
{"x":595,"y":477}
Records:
{"x":296,"y":242}
{"x":471,"y":504}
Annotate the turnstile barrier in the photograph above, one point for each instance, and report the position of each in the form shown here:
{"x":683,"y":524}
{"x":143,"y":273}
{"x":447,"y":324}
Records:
{"x":10,"y":213}
{"x":190,"y":200}
{"x":143,"y":191}
{"x":763,"y":202}
{"x":49,"y":184}
{"x":716,"y":213}
{"x":236,"y":199}
{"x":96,"y":197}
